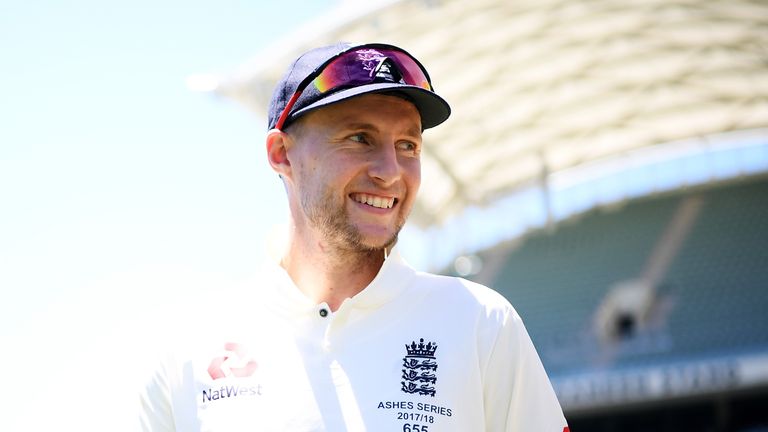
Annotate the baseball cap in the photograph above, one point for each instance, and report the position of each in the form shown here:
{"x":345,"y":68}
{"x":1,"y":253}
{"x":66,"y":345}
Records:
{"x":330,"y":74}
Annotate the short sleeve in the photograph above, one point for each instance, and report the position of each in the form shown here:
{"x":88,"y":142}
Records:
{"x":518,"y":394}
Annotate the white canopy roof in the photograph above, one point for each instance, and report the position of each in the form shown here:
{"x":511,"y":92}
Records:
{"x":539,"y":86}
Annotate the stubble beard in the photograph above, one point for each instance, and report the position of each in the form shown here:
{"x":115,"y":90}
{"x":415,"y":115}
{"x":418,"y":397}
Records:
{"x":341,"y":234}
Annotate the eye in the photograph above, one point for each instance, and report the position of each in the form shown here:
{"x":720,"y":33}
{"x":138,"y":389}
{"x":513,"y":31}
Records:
{"x":359,"y":137}
{"x":408,"y":146}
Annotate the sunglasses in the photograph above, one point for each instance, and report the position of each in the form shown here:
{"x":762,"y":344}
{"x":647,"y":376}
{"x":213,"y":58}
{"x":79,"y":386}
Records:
{"x":356,"y":67}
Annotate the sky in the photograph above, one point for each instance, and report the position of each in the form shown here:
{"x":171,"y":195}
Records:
{"x":121,"y":191}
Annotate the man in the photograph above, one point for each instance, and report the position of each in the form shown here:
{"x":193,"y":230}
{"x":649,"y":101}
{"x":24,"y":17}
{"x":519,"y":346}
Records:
{"x":340,"y":334}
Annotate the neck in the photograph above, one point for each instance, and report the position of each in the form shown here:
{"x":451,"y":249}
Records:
{"x":329,"y":274}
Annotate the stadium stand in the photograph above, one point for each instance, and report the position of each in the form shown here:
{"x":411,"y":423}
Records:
{"x":708,"y":314}
{"x":557,"y":278}
{"x":720,"y":279}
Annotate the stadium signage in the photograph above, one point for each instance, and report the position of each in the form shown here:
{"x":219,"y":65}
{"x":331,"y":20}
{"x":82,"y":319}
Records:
{"x":594,"y":390}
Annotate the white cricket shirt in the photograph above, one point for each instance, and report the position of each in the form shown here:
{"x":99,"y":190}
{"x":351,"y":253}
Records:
{"x":413,"y":352}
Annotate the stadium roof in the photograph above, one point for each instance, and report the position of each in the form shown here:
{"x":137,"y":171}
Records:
{"x":540,"y":86}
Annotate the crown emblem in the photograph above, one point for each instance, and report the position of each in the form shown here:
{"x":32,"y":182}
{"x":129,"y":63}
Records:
{"x":419,"y":366}
{"x":421,"y":350}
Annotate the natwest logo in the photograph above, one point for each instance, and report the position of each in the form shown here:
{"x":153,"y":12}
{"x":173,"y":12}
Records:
{"x":235,"y":362}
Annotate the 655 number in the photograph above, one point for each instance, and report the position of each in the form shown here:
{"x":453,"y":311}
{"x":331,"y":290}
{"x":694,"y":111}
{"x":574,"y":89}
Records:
{"x":415,"y":428}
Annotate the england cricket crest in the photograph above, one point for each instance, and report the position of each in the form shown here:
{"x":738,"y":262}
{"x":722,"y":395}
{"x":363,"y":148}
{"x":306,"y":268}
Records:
{"x":419,"y":375}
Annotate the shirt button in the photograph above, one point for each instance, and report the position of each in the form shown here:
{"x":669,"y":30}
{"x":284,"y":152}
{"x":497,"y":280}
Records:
{"x":323,"y":312}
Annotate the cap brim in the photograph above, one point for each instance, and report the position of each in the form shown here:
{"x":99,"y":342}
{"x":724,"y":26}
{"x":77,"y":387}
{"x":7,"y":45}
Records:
{"x":433,"y":109}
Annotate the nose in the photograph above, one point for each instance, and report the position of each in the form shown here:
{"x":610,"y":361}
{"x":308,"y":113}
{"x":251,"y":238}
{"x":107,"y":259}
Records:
{"x":385,"y":168}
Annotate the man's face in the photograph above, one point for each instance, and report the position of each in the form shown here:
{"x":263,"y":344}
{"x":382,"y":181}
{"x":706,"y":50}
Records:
{"x":356,"y":170}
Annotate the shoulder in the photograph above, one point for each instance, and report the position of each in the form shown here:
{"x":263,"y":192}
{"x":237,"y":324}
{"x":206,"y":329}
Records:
{"x":461,"y":287}
{"x":467,"y":294}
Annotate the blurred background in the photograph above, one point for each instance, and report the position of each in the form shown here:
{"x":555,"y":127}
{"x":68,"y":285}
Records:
{"x":605,"y":168}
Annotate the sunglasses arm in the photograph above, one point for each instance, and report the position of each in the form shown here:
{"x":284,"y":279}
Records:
{"x":287,"y":110}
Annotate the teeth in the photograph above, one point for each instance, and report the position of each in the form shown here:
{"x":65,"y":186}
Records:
{"x":378,"y":202}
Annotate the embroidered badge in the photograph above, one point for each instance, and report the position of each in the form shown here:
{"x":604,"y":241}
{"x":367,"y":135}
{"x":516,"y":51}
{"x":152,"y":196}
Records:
{"x":420,"y":366}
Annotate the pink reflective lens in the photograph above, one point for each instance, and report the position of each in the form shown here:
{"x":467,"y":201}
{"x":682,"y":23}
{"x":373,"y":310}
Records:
{"x":361,"y":66}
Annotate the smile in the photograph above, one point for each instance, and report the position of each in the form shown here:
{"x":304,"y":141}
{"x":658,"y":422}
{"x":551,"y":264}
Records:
{"x":374,"y":201}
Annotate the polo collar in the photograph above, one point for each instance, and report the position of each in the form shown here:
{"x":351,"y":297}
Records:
{"x":391,"y":280}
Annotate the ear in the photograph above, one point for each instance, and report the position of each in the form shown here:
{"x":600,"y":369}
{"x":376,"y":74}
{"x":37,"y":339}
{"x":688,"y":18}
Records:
{"x":278,"y":143}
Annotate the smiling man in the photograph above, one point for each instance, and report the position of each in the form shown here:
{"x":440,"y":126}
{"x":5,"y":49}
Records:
{"x":340,"y":334}
{"x":351,"y":171}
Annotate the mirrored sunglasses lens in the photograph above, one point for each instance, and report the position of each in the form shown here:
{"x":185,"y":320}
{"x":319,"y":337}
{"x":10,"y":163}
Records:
{"x":359,"y":67}
{"x":412,"y":72}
